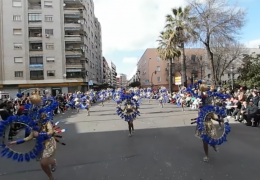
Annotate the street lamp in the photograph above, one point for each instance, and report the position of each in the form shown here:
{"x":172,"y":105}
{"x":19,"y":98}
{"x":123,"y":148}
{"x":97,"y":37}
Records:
{"x":152,"y":78}
{"x":232,"y":79}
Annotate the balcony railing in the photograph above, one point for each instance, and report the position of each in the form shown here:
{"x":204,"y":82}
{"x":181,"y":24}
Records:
{"x":37,"y":78}
{"x":36,"y":7}
{"x":74,"y":65}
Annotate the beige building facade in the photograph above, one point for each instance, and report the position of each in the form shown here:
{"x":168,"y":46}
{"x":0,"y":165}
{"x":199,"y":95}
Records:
{"x":150,"y":63}
{"x":53,"y":44}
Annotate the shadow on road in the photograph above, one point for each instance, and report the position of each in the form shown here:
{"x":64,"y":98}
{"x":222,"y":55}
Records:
{"x":161,"y":153}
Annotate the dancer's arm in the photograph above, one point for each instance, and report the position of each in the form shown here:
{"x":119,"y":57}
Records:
{"x":50,"y":130}
{"x":28,"y":138}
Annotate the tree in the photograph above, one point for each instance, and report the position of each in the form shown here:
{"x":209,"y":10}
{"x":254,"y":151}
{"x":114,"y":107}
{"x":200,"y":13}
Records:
{"x":168,"y":51}
{"x":135,"y":84}
{"x":249,"y":71}
{"x":226,"y":55}
{"x":177,"y":24}
{"x":214,"y":19}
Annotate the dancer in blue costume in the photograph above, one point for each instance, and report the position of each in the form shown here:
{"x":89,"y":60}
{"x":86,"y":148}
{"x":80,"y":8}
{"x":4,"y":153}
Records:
{"x":212,"y":109}
{"x":116,"y":96}
{"x":130,"y":110}
{"x":39,"y":126}
{"x":102,"y":96}
{"x":149,"y":94}
{"x":162,"y":96}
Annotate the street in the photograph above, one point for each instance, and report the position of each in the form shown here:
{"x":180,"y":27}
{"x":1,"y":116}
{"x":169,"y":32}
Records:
{"x":162,"y":147}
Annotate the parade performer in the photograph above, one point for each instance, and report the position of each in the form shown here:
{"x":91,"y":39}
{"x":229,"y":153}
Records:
{"x":39,"y":126}
{"x":162,"y":96}
{"x":130,"y":110}
{"x":116,"y":96}
{"x":149,"y":94}
{"x":212,"y":109}
{"x":102,"y":96}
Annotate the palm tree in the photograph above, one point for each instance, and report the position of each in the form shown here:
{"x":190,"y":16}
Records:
{"x":167,"y":51}
{"x":178,"y":24}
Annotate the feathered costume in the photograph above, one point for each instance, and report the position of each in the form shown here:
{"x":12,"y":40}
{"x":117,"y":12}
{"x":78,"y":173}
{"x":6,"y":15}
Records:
{"x":37,"y":116}
{"x":212,"y":108}
{"x":131,"y":106}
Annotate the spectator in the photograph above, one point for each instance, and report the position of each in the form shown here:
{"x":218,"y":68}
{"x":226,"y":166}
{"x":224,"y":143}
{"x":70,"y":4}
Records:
{"x":244,"y":111}
{"x":236,"y":113}
{"x":251,"y":114}
{"x":255,"y":98}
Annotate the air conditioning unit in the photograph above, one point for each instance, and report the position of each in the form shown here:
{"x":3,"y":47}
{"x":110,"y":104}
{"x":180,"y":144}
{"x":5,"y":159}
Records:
{"x":167,"y":79}
{"x":47,"y":35}
{"x":166,"y":69}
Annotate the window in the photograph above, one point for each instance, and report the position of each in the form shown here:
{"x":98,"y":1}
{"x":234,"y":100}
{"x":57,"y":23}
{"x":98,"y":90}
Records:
{"x":50,"y":73}
{"x":158,"y":68}
{"x":48,"y":18}
{"x":157,"y":58}
{"x":194,"y":68}
{"x":49,"y":31}
{"x":193,"y":58}
{"x":18,"y":46}
{"x":17,"y":3}
{"x":18,"y":74}
{"x":159,"y":79}
{"x":17,"y":31}
{"x":36,"y":60}
{"x":50,"y":59}
{"x":49,"y":46}
{"x":18,"y":60}
{"x":17,"y":17}
{"x":47,"y":4}
{"x":36,"y":75}
{"x":34,"y":17}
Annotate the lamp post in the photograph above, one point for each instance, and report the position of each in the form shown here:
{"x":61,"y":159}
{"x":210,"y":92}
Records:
{"x":232,"y":79}
{"x":152,"y":78}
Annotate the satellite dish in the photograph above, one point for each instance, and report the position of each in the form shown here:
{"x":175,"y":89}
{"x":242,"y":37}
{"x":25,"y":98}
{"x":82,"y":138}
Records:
{"x":64,"y":4}
{"x":79,"y":21}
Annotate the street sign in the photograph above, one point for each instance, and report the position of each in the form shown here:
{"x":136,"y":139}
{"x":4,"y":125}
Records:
{"x":177,"y":80}
{"x":90,"y":83}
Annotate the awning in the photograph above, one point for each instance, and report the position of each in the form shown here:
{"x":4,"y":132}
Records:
{"x":35,"y":27}
{"x":71,"y":16}
{"x":36,"y":42}
{"x":72,"y":42}
{"x":73,"y":56}
{"x":71,"y":29}
{"x":36,"y":55}
{"x":36,"y":65}
{"x":73,"y":70}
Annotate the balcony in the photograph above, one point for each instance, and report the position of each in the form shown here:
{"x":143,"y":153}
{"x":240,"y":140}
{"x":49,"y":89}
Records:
{"x":74,"y":53}
{"x":34,"y":5}
{"x":72,"y":2}
{"x":35,"y":34}
{"x":73,"y":75}
{"x":36,"y":75}
{"x":73,"y":38}
{"x":72,"y":25}
{"x":35,"y":47}
{"x":77,"y":65}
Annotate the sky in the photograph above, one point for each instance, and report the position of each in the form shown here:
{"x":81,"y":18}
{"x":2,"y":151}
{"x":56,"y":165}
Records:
{"x":129,"y":27}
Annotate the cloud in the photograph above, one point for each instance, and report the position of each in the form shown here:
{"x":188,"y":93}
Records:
{"x":253,"y":43}
{"x":130,"y":25}
{"x":130,"y":60}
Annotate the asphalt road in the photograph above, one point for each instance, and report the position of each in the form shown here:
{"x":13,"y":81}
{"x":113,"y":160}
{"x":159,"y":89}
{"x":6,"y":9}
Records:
{"x":163,"y":147}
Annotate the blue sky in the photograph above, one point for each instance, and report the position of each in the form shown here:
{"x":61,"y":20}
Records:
{"x":131,"y":26}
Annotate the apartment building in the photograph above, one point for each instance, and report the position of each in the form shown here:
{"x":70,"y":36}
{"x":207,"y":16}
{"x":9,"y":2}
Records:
{"x":106,"y":72}
{"x":54,"y":44}
{"x":113,"y":74}
{"x":152,"y":70}
{"x":123,"y":83}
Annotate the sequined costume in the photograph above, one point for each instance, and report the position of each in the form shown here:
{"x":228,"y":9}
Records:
{"x":38,"y":118}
